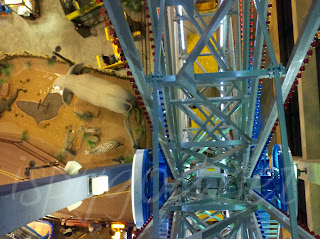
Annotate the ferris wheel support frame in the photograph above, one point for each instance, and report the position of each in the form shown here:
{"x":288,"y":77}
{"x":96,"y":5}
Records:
{"x":212,"y":131}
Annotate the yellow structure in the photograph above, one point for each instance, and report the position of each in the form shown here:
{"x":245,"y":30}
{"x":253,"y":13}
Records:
{"x":208,"y":63}
{"x":205,"y":214}
{"x":206,"y":7}
{"x":118,"y":228}
{"x":83,"y":10}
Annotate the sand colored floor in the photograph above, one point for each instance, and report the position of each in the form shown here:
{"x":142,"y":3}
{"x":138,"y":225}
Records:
{"x":37,"y":79}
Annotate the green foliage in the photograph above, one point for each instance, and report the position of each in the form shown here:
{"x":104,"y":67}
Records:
{"x":87,"y":8}
{"x":86,"y":70}
{"x":27,"y":64}
{"x":128,"y":159}
{"x":6,"y":69}
{"x":24,"y":135}
{"x":91,"y":144}
{"x":134,"y":5}
{"x":2,"y":81}
{"x":85,"y":135}
{"x":139,"y":130}
{"x":86,"y":116}
{"x":51,"y":62}
{"x":62,"y":156}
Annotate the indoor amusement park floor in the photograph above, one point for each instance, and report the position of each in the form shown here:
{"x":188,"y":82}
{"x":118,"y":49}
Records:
{"x":37,"y":80}
{"x":48,"y":137}
{"x":50,"y":30}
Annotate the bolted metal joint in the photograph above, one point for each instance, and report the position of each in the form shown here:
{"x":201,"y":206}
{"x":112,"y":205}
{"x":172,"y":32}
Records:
{"x":155,"y":77}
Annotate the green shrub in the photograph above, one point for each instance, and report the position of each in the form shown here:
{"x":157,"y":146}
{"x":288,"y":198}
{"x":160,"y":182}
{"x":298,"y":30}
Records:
{"x":25,"y":135}
{"x":91,"y":144}
{"x":61,"y":156}
{"x":128,"y":159}
{"x":6,"y":69}
{"x":139,"y":130}
{"x":51,"y":62}
{"x":27,"y":64}
{"x":86,"y":116}
{"x":134,"y":5}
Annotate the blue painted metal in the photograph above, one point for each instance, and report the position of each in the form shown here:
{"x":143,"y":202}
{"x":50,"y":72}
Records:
{"x":155,"y":160}
{"x":278,"y":168}
{"x":280,"y":217}
{"x":147,"y":188}
{"x":269,"y":228}
{"x":4,"y":9}
{"x":147,"y":182}
{"x":220,"y":139}
{"x":273,"y":187}
{"x":24,"y":202}
{"x":254,"y":123}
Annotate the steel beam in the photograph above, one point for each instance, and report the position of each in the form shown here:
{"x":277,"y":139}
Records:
{"x":204,"y":101}
{"x":209,"y":207}
{"x":158,"y":38}
{"x":207,"y":34}
{"x":235,"y":229}
{"x":211,"y":99}
{"x":202,"y":158}
{"x":189,"y":145}
{"x":147,"y":233}
{"x":215,"y":159}
{"x":155,"y":161}
{"x":264,"y":29}
{"x":258,"y":47}
{"x":216,"y":228}
{"x":197,"y":219}
{"x":311,"y":25}
{"x":279,"y":216}
{"x":288,"y":166}
{"x":153,"y":12}
{"x":230,"y":75}
{"x":189,"y":226}
{"x":124,"y":35}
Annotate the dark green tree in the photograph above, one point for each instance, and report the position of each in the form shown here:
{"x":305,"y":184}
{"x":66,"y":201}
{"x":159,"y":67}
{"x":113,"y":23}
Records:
{"x":134,"y":5}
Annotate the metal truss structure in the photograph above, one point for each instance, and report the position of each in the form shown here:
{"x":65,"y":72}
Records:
{"x":223,"y":137}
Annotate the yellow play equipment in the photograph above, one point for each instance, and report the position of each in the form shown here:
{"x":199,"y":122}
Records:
{"x":214,"y":218}
{"x":80,"y":11}
{"x":208,"y":64}
{"x":118,"y":59}
{"x":207,"y":6}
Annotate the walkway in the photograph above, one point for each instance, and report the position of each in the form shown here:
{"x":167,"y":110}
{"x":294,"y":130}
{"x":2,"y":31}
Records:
{"x":50,"y":30}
